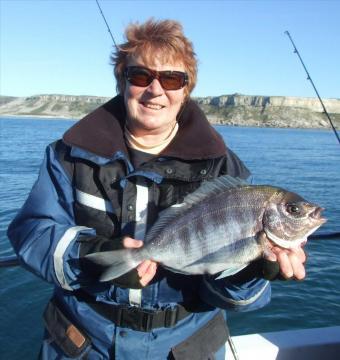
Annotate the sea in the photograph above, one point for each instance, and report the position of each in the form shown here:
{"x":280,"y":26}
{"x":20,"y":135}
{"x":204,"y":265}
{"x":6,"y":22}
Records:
{"x":300,"y":160}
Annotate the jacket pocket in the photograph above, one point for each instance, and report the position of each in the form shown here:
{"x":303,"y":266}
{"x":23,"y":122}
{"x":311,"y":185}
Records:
{"x":205,"y":342}
{"x":67,"y":336}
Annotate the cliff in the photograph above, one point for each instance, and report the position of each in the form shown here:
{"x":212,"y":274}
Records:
{"x":236,"y":109}
{"x":270,"y":111}
{"x":60,"y":106}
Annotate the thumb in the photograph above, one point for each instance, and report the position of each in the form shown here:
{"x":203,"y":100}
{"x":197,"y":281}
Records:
{"x":129,"y":242}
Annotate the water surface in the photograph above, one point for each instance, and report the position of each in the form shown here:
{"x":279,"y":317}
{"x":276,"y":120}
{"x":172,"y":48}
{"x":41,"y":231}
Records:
{"x":304,"y":161}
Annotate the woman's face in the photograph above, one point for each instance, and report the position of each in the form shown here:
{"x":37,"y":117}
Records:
{"x":151,"y":109}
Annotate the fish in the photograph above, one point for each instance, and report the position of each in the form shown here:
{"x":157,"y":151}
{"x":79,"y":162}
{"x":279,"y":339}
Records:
{"x":218,"y":230}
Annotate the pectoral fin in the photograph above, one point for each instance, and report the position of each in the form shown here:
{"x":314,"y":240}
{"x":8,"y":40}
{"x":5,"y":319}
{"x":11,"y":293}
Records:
{"x":230,"y":271}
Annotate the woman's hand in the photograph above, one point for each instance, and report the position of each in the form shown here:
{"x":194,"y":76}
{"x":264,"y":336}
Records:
{"x":291,"y":261}
{"x":147,"y":269}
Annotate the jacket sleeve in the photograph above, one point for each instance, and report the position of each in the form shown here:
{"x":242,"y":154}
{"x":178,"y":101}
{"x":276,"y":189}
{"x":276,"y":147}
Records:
{"x":44,"y":232}
{"x":244,"y":291}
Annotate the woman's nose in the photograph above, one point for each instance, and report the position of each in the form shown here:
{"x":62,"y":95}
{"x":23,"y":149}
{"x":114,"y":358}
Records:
{"x":155,"y":88}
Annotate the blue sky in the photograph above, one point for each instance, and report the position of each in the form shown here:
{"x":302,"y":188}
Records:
{"x":62,"y":46}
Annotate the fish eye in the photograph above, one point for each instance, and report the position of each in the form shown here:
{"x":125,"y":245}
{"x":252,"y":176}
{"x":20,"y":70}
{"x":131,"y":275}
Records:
{"x":293,"y":209}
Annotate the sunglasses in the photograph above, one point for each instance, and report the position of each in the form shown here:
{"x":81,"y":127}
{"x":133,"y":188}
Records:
{"x":143,"y":77}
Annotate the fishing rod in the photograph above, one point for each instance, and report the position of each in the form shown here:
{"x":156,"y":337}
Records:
{"x":107,"y":25}
{"x":316,"y":91}
{"x":12,"y":260}
{"x":328,"y":236}
{"x":9,"y":261}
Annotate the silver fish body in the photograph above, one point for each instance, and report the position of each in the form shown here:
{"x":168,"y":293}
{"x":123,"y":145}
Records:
{"x":216,"y":229}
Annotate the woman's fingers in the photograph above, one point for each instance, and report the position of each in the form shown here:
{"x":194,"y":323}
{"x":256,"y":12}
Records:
{"x":146,"y":271}
{"x":291,"y":262}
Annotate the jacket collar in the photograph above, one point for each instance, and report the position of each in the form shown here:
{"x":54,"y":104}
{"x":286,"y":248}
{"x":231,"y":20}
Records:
{"x":102,"y":132}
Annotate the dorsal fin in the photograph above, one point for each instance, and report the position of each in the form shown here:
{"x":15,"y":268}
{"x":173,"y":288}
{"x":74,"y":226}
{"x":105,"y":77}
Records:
{"x":213,"y":187}
{"x":206,"y":190}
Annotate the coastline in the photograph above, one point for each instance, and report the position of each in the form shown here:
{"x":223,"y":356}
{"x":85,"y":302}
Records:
{"x":38,"y":117}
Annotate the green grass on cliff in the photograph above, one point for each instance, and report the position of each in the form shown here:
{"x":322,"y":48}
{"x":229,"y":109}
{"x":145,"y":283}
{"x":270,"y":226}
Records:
{"x":40,"y":110}
{"x":6,"y":99}
{"x":78,"y":107}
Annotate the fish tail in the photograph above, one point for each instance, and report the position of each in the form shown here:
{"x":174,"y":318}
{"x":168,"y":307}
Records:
{"x":116,"y":262}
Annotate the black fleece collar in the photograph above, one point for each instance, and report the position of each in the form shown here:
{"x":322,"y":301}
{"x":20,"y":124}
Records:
{"x":102,"y":132}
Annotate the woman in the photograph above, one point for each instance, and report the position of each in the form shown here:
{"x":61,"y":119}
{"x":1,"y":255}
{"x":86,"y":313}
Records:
{"x":102,"y":186}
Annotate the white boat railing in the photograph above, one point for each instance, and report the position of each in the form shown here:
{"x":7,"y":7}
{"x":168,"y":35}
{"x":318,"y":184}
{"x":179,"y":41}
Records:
{"x":307,"y":344}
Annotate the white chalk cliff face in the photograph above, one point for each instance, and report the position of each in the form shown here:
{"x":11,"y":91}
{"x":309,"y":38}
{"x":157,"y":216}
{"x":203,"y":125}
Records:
{"x":270,"y":111}
{"x":312,"y":104}
{"x":236,"y":109}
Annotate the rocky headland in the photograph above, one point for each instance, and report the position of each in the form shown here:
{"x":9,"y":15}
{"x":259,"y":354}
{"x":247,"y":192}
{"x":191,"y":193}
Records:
{"x":235,"y":109}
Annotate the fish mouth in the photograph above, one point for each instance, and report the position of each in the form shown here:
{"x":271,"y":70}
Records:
{"x":317,"y":214}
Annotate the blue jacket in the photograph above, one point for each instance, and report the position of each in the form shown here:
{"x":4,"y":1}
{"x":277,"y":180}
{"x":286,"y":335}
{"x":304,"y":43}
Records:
{"x":89,"y":190}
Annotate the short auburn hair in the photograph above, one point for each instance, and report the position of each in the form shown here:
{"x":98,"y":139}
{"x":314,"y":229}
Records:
{"x":163,"y":38}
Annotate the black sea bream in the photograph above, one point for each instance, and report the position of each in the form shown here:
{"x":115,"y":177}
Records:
{"x":217,"y":229}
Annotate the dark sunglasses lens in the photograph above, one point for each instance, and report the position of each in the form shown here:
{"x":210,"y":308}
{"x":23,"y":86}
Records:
{"x":139,"y":77}
{"x":172,"y":81}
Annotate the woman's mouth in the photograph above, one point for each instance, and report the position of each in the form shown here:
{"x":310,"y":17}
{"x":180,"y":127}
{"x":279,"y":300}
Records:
{"x":152,"y":106}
